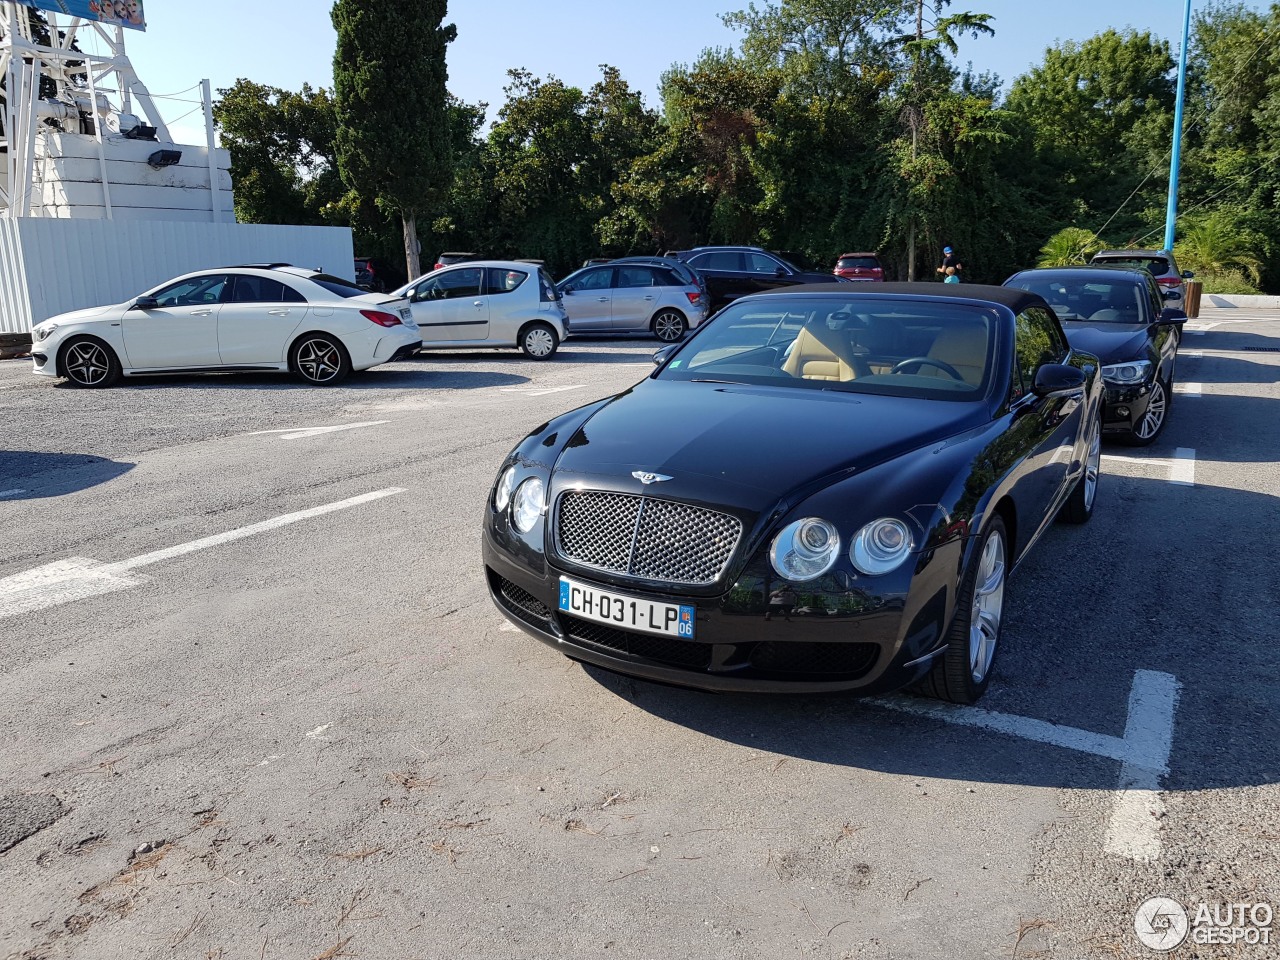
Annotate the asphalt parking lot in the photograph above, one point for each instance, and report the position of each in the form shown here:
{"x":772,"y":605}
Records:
{"x":259,"y":704}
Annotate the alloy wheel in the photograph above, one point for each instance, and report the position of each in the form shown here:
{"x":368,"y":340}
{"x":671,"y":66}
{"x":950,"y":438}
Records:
{"x":87,"y":363}
{"x":987,"y":607}
{"x":1093,"y":466}
{"x":668,"y":326}
{"x":1153,"y":419}
{"x":319,"y":360}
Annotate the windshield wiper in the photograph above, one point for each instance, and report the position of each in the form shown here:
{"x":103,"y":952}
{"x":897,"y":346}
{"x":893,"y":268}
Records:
{"x":710,"y":380}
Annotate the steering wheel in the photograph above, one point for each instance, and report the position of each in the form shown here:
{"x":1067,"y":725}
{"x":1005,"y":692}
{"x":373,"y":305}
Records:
{"x":928,"y":361}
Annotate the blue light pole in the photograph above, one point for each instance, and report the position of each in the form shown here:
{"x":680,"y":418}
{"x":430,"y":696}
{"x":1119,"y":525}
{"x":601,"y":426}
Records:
{"x":1171,"y":213}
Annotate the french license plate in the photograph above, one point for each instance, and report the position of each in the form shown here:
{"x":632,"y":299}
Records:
{"x":406,"y":313}
{"x":630,"y":613}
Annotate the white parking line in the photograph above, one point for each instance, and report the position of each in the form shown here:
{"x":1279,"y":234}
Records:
{"x":298,"y":433}
{"x":1143,"y":752}
{"x":1188,"y":389}
{"x":78,"y":578}
{"x":1183,"y":469}
{"x":1137,"y":809}
{"x":6,"y":494}
{"x":530,"y":392}
{"x":1195,"y":355}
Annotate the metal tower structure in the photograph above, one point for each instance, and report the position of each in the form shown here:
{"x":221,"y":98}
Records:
{"x":83,"y":93}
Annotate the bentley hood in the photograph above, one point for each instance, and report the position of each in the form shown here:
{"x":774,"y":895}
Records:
{"x":747,"y":447}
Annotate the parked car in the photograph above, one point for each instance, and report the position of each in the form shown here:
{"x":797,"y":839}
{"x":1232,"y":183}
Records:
{"x":859,"y":266}
{"x":681,"y":269}
{"x":1120,"y":315}
{"x":449,"y":258}
{"x":633,"y":298}
{"x":377,"y":276}
{"x":733,"y":272}
{"x":238,"y":318}
{"x":488,"y":303}
{"x":1159,"y":263}
{"x":884,"y":455}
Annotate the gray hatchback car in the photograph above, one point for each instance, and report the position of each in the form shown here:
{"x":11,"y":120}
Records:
{"x":632,"y":298}
{"x":1159,"y":263}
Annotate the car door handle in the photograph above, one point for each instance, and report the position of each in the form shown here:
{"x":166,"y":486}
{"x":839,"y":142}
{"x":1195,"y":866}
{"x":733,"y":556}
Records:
{"x":648,"y":298}
{"x":278,"y":313}
{"x":477,"y":303}
{"x":603,"y":299}
{"x":201,"y":313}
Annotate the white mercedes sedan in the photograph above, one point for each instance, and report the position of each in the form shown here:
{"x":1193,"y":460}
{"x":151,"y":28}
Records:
{"x":256,"y":317}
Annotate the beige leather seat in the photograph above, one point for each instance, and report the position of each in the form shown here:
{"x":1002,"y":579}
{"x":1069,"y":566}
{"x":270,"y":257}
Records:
{"x":963,"y":346}
{"x":820,"y":354}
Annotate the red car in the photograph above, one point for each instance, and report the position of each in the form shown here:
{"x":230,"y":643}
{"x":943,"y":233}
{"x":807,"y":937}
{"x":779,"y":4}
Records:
{"x":859,"y":266}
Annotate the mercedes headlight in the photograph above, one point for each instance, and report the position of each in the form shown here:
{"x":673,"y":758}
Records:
{"x":881,"y":546}
{"x":1135,"y":371}
{"x":507,"y":482}
{"x":43,"y":331}
{"x":527,"y":506}
{"x":805,"y":549}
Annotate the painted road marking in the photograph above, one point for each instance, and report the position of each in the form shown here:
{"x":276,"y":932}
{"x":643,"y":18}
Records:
{"x":78,"y":578}
{"x":298,"y":433}
{"x":1183,"y":469}
{"x":531,"y":392}
{"x":1187,"y":389}
{"x":1196,"y":355}
{"x":1138,"y":808}
{"x":1143,"y":752}
{"x":6,"y":494}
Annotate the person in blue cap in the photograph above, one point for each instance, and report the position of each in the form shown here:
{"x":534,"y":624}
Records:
{"x":949,"y":259}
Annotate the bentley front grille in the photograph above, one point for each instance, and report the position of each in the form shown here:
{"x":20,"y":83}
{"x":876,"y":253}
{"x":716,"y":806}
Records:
{"x":645,"y":538}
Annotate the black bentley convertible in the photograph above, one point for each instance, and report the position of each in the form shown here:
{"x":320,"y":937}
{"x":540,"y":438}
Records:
{"x":824,"y":488}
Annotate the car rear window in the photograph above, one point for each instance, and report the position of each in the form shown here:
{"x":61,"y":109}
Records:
{"x":343,"y":288}
{"x":848,"y":263}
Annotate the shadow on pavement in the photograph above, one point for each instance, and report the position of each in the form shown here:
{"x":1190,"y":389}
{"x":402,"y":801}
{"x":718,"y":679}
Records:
{"x":28,"y":475}
{"x":1165,"y":578}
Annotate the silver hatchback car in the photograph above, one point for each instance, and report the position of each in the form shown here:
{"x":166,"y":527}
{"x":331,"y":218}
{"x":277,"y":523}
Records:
{"x":488,"y":303}
{"x":632,"y":298}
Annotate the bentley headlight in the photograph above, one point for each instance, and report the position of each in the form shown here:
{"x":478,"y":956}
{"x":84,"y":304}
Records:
{"x":43,"y":331}
{"x":881,"y":546}
{"x":805,"y":549}
{"x":1135,"y":371}
{"x":527,"y":506}
{"x":502,"y":496}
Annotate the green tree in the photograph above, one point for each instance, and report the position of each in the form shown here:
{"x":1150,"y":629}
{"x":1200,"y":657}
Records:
{"x":393,"y":136}
{"x":1069,"y":247}
{"x":1221,"y":251}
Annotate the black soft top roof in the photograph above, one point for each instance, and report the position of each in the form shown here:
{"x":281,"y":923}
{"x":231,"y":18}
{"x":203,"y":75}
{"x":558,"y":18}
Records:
{"x":1016,"y":300}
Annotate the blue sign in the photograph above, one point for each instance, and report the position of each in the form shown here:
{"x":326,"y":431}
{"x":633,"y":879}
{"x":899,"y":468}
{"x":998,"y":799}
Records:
{"x":121,"y":13}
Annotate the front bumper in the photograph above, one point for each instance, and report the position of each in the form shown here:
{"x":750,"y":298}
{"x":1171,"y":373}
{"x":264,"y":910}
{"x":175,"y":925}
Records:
{"x":1125,"y":406}
{"x":846,"y":640}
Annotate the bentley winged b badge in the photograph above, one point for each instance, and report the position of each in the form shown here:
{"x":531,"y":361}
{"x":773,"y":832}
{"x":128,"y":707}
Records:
{"x":647,"y":478}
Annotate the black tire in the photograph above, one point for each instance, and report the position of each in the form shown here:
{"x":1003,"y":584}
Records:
{"x":319,"y":359}
{"x":954,"y":677}
{"x":538,"y":341}
{"x":1162,"y":393}
{"x":89,"y":363}
{"x":669,"y":325}
{"x":1079,"y":506}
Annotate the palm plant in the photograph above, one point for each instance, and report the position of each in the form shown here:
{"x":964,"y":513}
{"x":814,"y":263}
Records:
{"x":1215,"y":245}
{"x":1070,"y":247}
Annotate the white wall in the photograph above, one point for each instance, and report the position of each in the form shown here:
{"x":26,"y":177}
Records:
{"x":50,"y":266}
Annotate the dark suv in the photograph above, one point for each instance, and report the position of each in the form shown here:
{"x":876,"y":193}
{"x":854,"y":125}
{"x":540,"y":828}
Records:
{"x":732,"y":272}
{"x":1122,"y":317}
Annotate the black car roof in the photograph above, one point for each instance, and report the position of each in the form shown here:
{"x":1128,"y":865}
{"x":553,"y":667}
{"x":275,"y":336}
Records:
{"x":1011,"y":297}
{"x":1098,"y":271}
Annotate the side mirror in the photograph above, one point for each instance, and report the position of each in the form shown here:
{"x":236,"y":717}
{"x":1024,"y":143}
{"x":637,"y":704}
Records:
{"x":1057,"y":380}
{"x":780,"y":272}
{"x":663,"y":355}
{"x":1172,"y":295}
{"x":566,"y":291}
{"x":1187,"y":274}
{"x":146,"y":303}
{"x":1172,"y":316}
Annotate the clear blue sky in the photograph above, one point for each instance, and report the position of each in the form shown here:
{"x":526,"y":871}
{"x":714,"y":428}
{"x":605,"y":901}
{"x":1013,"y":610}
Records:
{"x":287,"y":44}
